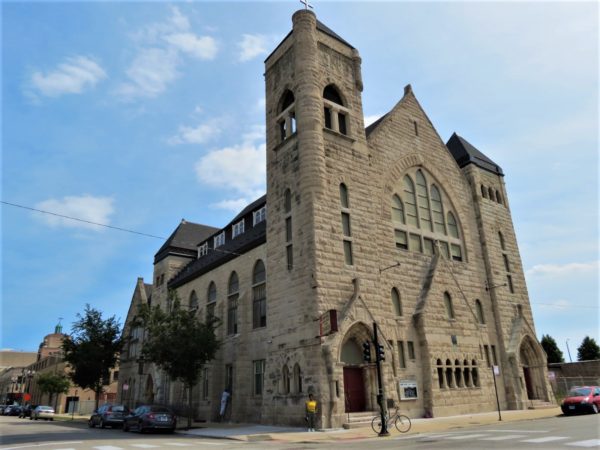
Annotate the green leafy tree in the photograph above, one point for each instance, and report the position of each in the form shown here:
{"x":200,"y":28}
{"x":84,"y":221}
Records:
{"x":92,"y":350}
{"x":552,"y":351}
{"x":50,"y":383}
{"x":588,"y":350}
{"x":178,"y":343}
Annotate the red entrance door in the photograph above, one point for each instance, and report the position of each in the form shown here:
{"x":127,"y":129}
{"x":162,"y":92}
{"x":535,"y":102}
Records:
{"x":354,"y":389}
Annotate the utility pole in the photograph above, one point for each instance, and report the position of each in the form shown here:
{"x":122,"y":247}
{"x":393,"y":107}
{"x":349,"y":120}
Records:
{"x":379,"y":357}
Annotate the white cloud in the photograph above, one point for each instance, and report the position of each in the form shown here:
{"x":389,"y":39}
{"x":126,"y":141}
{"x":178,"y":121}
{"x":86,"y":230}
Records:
{"x":197,"y":135}
{"x":71,"y":77}
{"x":252,"y":45}
{"x":371,"y":119}
{"x":564,"y":270}
{"x":150,"y":73}
{"x":241,"y":168}
{"x":162,"y":50}
{"x":235,"y":205}
{"x":204,"y":47}
{"x":85,"y":207}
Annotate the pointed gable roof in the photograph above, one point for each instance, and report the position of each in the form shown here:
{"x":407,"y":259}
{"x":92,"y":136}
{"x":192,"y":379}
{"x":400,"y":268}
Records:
{"x":465,"y":153}
{"x":184,"y":240}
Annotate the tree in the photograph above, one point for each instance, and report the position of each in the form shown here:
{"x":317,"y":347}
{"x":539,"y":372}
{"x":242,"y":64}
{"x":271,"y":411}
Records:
{"x":92,"y":350}
{"x":588,"y":350}
{"x":552,"y":351}
{"x":50,"y":383}
{"x":178,"y":343}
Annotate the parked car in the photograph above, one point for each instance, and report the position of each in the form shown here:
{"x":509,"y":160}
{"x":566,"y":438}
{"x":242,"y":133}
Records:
{"x":150,"y":417}
{"x":12,"y":410}
{"x":42,"y":412}
{"x":108,"y":415}
{"x":26,"y":411}
{"x":2,"y":408}
{"x":582,"y":399}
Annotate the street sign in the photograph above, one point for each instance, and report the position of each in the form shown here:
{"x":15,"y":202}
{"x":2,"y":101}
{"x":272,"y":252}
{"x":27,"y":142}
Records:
{"x":328,"y":323}
{"x":125,"y":387}
{"x":496,"y":370}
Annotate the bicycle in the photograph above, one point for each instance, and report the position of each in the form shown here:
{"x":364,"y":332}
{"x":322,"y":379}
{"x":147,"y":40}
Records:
{"x":400,"y":421}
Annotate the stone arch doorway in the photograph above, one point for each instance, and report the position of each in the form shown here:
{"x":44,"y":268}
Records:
{"x":149,"y":391}
{"x":356,"y":373}
{"x":531,"y":364}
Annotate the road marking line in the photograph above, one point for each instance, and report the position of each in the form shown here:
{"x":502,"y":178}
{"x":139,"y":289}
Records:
{"x":177,"y":444}
{"x":545,"y":439}
{"x":467,"y":436}
{"x":519,"y":431}
{"x":145,"y":445}
{"x":590,"y":443}
{"x":502,"y":438}
{"x":108,"y":447}
{"x":40,"y":445}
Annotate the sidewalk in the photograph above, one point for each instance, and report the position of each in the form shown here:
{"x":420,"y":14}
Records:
{"x":249,"y":432}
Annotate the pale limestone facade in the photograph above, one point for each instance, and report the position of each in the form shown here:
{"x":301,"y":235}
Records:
{"x":435,"y":278}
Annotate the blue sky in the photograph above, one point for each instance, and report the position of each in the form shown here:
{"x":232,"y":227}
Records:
{"x":137,"y":115}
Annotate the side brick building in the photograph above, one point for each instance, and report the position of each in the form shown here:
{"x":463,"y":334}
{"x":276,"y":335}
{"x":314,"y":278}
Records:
{"x":382,"y":224}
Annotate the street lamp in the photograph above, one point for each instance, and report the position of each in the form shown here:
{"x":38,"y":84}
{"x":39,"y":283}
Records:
{"x":568,"y":350}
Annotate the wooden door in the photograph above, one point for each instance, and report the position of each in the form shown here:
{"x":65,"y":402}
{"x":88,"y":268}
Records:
{"x":354,"y":389}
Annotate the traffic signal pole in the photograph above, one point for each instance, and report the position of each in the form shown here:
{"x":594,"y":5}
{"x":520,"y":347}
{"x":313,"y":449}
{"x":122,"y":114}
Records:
{"x":381,"y":392}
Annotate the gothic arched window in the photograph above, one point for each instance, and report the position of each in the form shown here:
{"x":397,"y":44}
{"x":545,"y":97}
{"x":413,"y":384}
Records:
{"x":193,"y":304}
{"x":232,"y":303}
{"x":448,"y":305}
{"x":286,"y":120}
{"x":334,"y":111}
{"x":423,"y":220}
{"x":259,"y":295}
{"x":211,"y":301}
{"x":396,"y":303}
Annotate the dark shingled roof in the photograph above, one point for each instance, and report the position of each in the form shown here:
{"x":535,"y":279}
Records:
{"x":325,"y":29}
{"x":184,"y":240}
{"x":464,"y":153}
{"x":321,"y":27}
{"x":251,"y":207}
{"x":251,"y":238}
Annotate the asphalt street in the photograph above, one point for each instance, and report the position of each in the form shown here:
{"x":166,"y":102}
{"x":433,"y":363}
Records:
{"x":560,"y":433}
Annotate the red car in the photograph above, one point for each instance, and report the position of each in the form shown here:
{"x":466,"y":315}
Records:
{"x":582,"y":398}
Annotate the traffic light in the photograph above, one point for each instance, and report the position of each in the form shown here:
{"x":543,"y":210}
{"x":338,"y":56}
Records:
{"x":367,"y":351}
{"x":380,"y":353}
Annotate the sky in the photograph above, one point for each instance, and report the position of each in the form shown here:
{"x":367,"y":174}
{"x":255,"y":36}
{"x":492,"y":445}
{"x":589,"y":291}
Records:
{"x":136,"y":115}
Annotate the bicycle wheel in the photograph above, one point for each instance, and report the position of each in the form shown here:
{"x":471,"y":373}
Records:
{"x":402,"y":423}
{"x":376,"y":424}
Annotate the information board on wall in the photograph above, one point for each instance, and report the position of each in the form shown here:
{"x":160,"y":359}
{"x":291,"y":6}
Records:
{"x":408,"y":390}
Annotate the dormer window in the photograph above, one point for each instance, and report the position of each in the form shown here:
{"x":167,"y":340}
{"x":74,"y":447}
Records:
{"x":202,"y":249}
{"x":238,"y":228}
{"x":260,"y":215}
{"x":335,"y":112}
{"x":219,"y":239}
{"x":286,"y":120}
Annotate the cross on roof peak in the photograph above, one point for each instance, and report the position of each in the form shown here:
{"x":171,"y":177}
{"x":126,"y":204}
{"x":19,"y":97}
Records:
{"x":306,"y":4}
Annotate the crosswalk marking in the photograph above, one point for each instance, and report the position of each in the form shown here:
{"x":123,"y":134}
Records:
{"x":467,"y":436}
{"x":108,"y":447}
{"x":545,"y":439}
{"x":518,"y":431}
{"x":504,"y":437}
{"x":590,"y":443}
{"x":177,"y":444}
{"x":145,"y":445}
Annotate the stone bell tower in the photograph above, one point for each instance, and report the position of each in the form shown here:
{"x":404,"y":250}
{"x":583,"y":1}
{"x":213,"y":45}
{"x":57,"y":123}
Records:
{"x":315,"y":143}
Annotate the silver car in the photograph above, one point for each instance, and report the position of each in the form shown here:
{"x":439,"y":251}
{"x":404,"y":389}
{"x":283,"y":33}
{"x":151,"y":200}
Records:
{"x":42,"y":412}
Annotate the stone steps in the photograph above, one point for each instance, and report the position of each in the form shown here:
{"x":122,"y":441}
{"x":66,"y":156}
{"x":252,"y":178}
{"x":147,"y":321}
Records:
{"x":359,"y":419}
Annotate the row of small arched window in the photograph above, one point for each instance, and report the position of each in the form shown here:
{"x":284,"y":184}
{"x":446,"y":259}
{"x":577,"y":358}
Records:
{"x":448,"y":304}
{"x":488,"y":192}
{"x":457,"y":375}
{"x":259,"y":299}
{"x":291,"y":383}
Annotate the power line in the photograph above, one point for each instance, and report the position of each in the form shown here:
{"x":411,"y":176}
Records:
{"x":104,"y":225}
{"x":82,"y":220}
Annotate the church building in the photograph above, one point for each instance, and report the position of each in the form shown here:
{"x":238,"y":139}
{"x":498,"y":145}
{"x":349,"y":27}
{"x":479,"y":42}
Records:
{"x":385,"y":224}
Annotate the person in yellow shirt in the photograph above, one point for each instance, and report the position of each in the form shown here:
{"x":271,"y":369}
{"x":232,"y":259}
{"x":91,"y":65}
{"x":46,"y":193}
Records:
{"x":311,"y":412}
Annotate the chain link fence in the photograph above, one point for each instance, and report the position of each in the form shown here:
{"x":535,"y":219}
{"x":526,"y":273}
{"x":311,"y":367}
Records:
{"x":562,"y":385}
